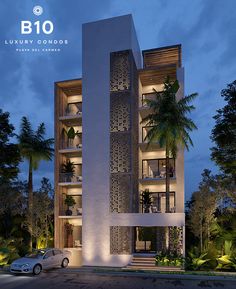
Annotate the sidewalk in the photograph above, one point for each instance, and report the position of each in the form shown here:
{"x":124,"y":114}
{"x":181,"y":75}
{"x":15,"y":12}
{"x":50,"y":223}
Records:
{"x":187,"y":275}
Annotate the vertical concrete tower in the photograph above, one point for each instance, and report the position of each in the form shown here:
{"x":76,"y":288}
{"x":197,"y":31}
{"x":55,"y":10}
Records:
{"x":111,"y":56}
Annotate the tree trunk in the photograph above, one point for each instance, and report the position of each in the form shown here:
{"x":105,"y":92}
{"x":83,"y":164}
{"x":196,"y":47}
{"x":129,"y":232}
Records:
{"x":46,"y":231}
{"x":30,"y":202}
{"x":167,"y":180}
{"x":201,"y":237}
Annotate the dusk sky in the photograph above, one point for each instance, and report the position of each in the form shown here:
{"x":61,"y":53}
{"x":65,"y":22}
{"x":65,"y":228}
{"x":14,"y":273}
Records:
{"x":205,"y":28}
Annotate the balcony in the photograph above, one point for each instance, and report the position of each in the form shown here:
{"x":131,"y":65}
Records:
{"x":72,"y":235}
{"x":67,"y":179}
{"x":155,"y":202}
{"x":71,"y":147}
{"x":70,"y":206}
{"x":155,"y":170}
{"x":144,"y":145}
{"x":144,"y":108}
{"x":72,"y":114}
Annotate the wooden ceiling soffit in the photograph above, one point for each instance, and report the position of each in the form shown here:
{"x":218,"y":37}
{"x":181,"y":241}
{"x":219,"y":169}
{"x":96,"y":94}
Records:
{"x":71,"y":87}
{"x":162,"y":56}
{"x":157,"y":75}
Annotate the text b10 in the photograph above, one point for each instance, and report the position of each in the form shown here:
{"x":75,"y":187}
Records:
{"x":27,"y":27}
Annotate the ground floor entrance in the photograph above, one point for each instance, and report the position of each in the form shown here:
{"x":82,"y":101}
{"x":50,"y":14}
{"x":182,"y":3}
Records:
{"x":150,"y":240}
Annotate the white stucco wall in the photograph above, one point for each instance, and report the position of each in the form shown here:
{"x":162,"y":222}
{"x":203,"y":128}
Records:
{"x":149,"y":220}
{"x":99,"y":39}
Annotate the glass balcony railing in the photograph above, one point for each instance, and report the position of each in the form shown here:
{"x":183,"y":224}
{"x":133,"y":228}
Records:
{"x":69,"y":178}
{"x":72,"y":143}
{"x":73,"y":109}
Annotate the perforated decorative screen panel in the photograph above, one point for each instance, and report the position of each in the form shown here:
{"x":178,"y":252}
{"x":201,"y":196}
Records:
{"x":120,"y":110}
{"x":120,"y":193}
{"x":121,"y":240}
{"x":120,"y":156}
{"x":119,"y":71}
{"x":176,"y":239}
{"x":123,"y":146}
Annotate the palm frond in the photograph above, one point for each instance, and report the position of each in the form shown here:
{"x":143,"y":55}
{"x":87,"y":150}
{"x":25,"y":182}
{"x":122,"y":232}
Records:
{"x":168,"y":119}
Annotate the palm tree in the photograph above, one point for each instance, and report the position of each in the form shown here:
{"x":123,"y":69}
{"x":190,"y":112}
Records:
{"x":169,"y":124}
{"x":34,"y":148}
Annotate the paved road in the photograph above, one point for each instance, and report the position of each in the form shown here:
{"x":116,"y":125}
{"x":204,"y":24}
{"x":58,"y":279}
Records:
{"x":57,"y":279}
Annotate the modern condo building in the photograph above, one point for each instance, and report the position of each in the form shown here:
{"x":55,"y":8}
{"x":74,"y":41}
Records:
{"x":109,"y":184}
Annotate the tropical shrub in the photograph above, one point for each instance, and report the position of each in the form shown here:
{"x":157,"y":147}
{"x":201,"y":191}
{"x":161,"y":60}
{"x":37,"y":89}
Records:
{"x":196,"y":263}
{"x":169,"y":259}
{"x":8,"y":251}
{"x":228,"y":261}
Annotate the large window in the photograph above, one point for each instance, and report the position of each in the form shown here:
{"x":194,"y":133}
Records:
{"x":149,"y":96}
{"x":156,"y":168}
{"x":159,"y":202}
{"x":145,"y":130}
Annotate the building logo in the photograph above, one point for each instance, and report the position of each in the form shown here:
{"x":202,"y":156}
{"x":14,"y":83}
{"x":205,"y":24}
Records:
{"x":37,"y":36}
{"x":38,"y":10}
{"x":46,"y":27}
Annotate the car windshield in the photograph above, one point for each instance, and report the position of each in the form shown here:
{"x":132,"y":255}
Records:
{"x":36,"y":254}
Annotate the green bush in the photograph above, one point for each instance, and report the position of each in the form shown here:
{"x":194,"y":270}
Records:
{"x":169,"y":259}
{"x":196,"y":263}
{"x":8,"y":251}
{"x":3,"y":256}
{"x":7,"y":256}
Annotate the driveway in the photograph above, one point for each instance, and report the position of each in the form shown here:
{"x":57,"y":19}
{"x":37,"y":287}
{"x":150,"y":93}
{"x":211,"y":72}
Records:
{"x":60,"y":279}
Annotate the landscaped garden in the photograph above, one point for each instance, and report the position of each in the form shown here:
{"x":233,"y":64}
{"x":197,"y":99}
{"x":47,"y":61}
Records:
{"x":26,"y":215}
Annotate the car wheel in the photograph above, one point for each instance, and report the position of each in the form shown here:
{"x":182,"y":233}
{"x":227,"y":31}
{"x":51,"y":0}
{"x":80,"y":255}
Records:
{"x":37,"y":269}
{"x":64,"y":263}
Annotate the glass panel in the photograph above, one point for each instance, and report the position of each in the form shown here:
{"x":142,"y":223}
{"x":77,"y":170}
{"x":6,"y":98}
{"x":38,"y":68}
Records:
{"x":73,"y":236}
{"x":145,"y":239}
{"x":145,"y":130}
{"x":150,"y":96}
{"x":71,"y":143}
{"x":172,"y":202}
{"x":74,"y":108}
{"x":158,"y":204}
{"x":157,"y":168}
{"x":75,"y":210}
{"x":76,"y":176}
{"x":150,"y":169}
{"x":48,"y":254}
{"x":57,"y":252}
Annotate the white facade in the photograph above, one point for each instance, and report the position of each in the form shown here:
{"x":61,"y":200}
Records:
{"x":100,"y":40}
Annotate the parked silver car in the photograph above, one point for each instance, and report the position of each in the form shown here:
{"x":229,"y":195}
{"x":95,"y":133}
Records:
{"x":40,"y":260}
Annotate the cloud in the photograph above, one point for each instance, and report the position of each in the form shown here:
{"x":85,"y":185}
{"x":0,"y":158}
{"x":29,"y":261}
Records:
{"x":206,"y":30}
{"x":27,"y":80}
